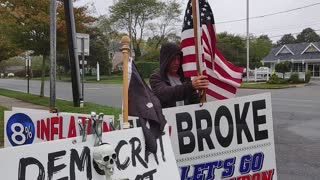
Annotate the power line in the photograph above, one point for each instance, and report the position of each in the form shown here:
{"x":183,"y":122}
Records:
{"x":289,"y":33}
{"x":271,"y":14}
{"x":288,"y":27}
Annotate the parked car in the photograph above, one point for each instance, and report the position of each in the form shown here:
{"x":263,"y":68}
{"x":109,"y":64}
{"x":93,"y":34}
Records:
{"x":10,"y":75}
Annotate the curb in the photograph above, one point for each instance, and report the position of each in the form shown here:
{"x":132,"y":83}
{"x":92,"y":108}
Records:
{"x":286,"y":87}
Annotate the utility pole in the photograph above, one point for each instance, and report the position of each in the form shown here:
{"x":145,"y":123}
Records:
{"x":74,"y":61}
{"x":53,"y":52}
{"x":82,"y":57}
{"x":28,"y":64}
{"x":248,"y":44}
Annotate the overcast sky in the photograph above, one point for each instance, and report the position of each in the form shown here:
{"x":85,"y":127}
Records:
{"x":274,"y":26}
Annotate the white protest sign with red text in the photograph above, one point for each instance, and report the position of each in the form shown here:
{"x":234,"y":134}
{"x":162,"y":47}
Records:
{"x":25,"y":126}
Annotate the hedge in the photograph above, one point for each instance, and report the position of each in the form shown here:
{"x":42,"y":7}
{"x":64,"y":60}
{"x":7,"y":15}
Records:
{"x":147,"y":68}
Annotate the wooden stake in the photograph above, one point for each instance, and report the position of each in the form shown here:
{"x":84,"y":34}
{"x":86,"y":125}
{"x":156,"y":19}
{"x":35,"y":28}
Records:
{"x":202,"y":92}
{"x":125,"y":41}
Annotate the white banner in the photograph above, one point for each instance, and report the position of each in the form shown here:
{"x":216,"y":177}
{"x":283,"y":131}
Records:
{"x":231,"y":139}
{"x":73,"y":159}
{"x":26,"y":126}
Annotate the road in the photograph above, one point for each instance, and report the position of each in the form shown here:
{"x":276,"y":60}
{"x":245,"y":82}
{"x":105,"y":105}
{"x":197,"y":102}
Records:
{"x":296,"y":115}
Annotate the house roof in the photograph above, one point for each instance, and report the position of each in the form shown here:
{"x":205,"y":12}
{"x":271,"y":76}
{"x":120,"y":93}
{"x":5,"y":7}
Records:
{"x":116,"y":60}
{"x":114,"y":47}
{"x":298,"y":51}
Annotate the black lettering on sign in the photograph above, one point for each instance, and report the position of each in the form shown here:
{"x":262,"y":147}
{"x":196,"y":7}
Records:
{"x":185,"y":133}
{"x":84,"y":159}
{"x":125,"y":164}
{"x":52,"y":169}
{"x":241,"y":122}
{"x":204,"y":134}
{"x":147,"y":175}
{"x":135,"y":152}
{"x":24,"y":162}
{"x":257,"y":120}
{"x":223,"y":111}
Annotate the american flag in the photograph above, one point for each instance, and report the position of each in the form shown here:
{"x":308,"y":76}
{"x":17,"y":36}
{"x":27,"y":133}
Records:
{"x":224,"y":77}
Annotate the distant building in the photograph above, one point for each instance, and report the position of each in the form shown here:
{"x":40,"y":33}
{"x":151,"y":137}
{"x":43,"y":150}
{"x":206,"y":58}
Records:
{"x":304,"y":56}
{"x":14,"y":69}
{"x":115,"y":54}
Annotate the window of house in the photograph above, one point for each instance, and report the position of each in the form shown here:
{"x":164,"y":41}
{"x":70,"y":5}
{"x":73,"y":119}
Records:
{"x":298,"y":67}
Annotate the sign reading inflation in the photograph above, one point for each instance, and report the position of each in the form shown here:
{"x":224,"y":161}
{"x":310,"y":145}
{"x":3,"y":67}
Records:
{"x":27,"y":126}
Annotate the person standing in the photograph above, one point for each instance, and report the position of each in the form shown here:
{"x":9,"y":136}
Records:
{"x":170,"y":85}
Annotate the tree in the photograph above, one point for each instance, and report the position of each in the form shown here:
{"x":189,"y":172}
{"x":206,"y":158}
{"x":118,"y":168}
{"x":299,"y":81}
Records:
{"x":259,"y":48}
{"x":308,"y":35}
{"x":163,"y":27}
{"x":233,"y":48}
{"x":286,"y":39}
{"x":29,"y":27}
{"x":98,"y":50}
{"x":283,"y":67}
{"x":106,"y":26}
{"x":7,"y":49}
{"x":134,"y":14}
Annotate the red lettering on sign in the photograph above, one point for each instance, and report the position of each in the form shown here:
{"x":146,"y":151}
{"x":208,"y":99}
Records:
{"x":246,"y":177}
{"x":267,"y":175}
{"x":38,"y":129}
{"x":72,"y":128}
{"x":105,"y":127}
{"x":45,"y":130}
{"x":53,"y":129}
{"x":61,"y":128}
{"x":256,"y":176}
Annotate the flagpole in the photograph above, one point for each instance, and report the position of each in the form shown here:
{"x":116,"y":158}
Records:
{"x":248,"y":45}
{"x":125,"y":56}
{"x":202,"y":92}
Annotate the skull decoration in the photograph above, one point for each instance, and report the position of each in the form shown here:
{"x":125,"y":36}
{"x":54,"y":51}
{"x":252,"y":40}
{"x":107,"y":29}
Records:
{"x":104,"y":158}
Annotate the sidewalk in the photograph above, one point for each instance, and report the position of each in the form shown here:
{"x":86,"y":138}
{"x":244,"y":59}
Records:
{"x":12,"y":102}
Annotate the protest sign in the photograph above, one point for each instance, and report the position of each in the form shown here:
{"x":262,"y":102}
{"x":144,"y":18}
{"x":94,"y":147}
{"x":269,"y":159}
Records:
{"x":231,"y":139}
{"x":27,"y":126}
{"x":73,"y":159}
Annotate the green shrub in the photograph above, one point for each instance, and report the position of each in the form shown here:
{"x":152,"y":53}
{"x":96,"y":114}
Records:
{"x":21,"y":73}
{"x":38,"y":73}
{"x":274,"y":79}
{"x":308,"y":77}
{"x":283,"y":67}
{"x":294,"y":78}
{"x":147,"y":68}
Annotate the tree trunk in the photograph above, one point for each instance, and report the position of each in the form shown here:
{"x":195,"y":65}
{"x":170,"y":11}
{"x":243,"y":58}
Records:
{"x":43,"y":71}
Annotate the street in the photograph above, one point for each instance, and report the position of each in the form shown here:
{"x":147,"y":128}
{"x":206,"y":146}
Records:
{"x":296,"y":113}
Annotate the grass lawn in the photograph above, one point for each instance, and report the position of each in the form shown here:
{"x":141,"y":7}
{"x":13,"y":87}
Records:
{"x":62,"y":105}
{"x":2,"y":109}
{"x":266,"y":86}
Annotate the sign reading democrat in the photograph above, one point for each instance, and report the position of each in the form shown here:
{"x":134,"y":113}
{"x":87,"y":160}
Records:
{"x":27,"y":126}
{"x":231,"y":139}
{"x":73,"y":159}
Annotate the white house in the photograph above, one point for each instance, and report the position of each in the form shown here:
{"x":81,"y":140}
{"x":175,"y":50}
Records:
{"x":304,"y":56}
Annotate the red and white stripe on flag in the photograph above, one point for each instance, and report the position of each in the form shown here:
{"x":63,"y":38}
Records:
{"x":223,"y":76}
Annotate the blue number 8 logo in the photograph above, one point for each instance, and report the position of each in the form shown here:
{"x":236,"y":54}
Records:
{"x":20,"y":129}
